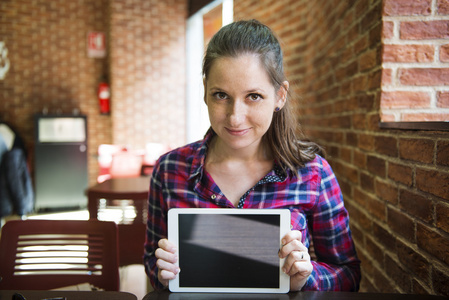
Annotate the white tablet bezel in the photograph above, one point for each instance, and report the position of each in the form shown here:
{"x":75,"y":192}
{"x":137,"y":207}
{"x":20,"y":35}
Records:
{"x":284,"y":226}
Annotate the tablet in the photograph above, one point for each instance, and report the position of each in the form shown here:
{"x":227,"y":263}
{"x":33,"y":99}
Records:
{"x":229,"y":250}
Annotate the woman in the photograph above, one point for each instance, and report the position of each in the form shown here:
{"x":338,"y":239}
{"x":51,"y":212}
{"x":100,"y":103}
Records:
{"x":251,"y":157}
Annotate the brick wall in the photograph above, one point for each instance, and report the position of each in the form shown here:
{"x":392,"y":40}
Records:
{"x":395,"y":183}
{"x":50,"y":69}
{"x":46,"y":43}
{"x":147,"y":71}
{"x":415,"y":57}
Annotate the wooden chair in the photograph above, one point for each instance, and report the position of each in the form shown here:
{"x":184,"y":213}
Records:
{"x":49,"y":254}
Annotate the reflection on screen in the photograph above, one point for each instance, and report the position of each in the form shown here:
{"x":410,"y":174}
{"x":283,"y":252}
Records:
{"x":229,"y":251}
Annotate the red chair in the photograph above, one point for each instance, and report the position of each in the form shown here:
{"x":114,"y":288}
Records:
{"x":49,"y":254}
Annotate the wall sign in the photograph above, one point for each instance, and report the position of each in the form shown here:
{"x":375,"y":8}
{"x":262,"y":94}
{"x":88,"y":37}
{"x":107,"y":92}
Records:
{"x":96,"y":44}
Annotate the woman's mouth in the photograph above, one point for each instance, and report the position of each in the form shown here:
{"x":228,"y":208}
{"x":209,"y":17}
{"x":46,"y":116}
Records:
{"x":237,"y":132}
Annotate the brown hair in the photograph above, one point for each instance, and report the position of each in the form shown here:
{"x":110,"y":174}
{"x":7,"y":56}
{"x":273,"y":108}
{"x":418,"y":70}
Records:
{"x":253,"y":37}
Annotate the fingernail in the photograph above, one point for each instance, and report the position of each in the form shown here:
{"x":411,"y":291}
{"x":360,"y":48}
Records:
{"x":283,"y":242}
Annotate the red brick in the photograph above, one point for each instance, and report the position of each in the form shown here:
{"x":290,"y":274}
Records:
{"x":381,"y":279}
{"x":367,"y":182}
{"x":417,"y":149}
{"x":375,"y":207}
{"x":408,"y":53}
{"x":413,"y":261}
{"x":387,"y":30}
{"x":422,"y":117}
{"x":374,"y":250}
{"x":388,"y":117}
{"x":386,"y":191}
{"x":443,"y":7}
{"x":424,"y":76}
{"x":442,"y":153}
{"x":441,"y":278}
{"x":374,"y":41}
{"x":361,"y":45}
{"x":352,"y":139}
{"x":367,"y":264}
{"x":400,"y":276}
{"x":346,"y":154}
{"x":433,"y":242}
{"x":386,"y":145}
{"x":419,"y":288}
{"x":366,"y":142}
{"x":359,"y":121}
{"x":360,"y":83}
{"x":403,"y":99}
{"x":423,"y":30}
{"x":374,"y":80}
{"x":386,"y":77}
{"x":365,"y":101}
{"x":444,"y":53}
{"x":361,"y":218}
{"x":384,"y":236}
{"x":443,"y":99}
{"x":376,"y":166}
{"x":359,"y":159}
{"x":407,"y":7}
{"x":402,"y":224}
{"x":433,"y":182}
{"x":442,"y":213}
{"x":416,"y":205}
{"x":368,"y":60}
{"x":370,"y":17}
{"x":373,"y":121}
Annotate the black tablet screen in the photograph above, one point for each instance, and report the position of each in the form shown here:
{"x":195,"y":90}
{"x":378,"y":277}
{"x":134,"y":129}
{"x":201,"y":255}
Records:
{"x":229,"y":251}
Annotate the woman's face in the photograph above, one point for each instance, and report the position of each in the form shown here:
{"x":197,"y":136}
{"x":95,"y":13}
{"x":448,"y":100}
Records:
{"x":241,"y":100}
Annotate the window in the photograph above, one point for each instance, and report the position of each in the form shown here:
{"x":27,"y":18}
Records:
{"x":200,"y":28}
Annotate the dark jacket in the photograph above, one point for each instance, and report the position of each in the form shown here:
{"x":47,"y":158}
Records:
{"x":16,"y":190}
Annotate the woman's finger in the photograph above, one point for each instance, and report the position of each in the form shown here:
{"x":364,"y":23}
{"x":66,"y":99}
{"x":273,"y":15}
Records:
{"x":166,"y":245}
{"x":290,"y":236}
{"x":293,"y":258}
{"x":166,"y":256}
{"x":293,"y":245}
{"x":166,"y":275}
{"x":166,"y":266}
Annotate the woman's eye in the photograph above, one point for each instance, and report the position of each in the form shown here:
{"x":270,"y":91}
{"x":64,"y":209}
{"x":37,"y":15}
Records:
{"x":254,"y":97}
{"x":220,"y":95}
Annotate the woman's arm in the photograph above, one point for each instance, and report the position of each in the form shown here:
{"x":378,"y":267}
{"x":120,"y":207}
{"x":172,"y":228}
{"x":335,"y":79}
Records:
{"x":337,"y":267}
{"x":156,"y":227}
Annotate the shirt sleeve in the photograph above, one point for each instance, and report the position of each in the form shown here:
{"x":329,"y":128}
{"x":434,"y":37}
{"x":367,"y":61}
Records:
{"x":156,"y":227}
{"x":337,"y":267}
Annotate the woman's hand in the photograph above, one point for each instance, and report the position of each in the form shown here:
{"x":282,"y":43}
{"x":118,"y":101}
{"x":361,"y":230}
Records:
{"x":166,"y":259}
{"x":297,"y":260}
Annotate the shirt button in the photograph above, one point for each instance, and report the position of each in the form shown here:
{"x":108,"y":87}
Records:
{"x":213,"y":197}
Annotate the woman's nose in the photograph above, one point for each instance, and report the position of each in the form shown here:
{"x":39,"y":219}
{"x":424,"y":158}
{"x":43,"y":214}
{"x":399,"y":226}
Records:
{"x":236,"y":113}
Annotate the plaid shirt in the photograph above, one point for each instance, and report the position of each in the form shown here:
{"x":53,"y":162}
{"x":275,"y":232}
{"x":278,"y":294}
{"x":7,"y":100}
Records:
{"x":312,"y":194}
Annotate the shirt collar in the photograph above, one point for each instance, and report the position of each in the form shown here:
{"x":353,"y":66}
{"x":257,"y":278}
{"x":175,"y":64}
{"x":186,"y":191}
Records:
{"x":200,"y":156}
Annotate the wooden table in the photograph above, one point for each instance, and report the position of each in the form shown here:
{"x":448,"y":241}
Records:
{"x":69,"y":295}
{"x":131,"y":236}
{"x":166,"y":295}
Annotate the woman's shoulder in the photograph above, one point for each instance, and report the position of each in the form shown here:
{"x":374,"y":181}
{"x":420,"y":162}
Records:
{"x":318,"y":166}
{"x":181,"y":157}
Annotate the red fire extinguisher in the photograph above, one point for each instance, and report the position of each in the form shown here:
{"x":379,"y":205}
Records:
{"x":104,"y":96}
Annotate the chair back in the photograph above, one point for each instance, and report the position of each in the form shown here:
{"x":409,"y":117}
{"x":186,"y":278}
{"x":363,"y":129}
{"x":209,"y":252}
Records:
{"x":49,"y":254}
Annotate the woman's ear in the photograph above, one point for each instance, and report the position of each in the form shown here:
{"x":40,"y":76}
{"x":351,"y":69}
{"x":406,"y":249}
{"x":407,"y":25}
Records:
{"x":282,"y":94}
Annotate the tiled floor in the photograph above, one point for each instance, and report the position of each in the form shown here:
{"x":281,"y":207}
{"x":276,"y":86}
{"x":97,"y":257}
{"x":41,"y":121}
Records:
{"x":132,"y":278}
